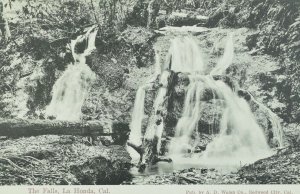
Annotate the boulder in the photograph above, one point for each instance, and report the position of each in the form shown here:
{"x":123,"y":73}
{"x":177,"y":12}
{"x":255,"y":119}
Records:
{"x":109,"y":168}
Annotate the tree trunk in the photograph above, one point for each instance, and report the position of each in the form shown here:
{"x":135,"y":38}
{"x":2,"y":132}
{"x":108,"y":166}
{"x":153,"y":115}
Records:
{"x":19,"y":128}
{"x":153,"y":9}
{"x":149,"y":150}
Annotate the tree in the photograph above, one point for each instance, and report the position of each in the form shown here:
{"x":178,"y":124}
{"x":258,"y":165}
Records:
{"x":4,"y":27}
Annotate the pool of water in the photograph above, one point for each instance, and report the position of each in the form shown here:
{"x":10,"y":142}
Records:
{"x":185,"y":163}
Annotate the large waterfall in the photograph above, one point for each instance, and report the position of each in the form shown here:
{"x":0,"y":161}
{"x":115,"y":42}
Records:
{"x":240,"y":139}
{"x":71,"y":89}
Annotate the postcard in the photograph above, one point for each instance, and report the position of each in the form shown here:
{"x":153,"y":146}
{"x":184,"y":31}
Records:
{"x":149,"y":96}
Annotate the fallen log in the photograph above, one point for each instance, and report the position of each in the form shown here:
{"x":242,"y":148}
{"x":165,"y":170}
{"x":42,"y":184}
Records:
{"x":190,"y":180}
{"x":186,"y":19}
{"x":23,"y":128}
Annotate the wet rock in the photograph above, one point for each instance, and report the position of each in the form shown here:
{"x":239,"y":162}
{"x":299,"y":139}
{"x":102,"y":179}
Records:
{"x":111,"y":167}
{"x":181,"y":83}
{"x":244,"y":94}
{"x":211,"y":113}
{"x":149,"y":100}
{"x":204,"y":170}
{"x":227,"y":80}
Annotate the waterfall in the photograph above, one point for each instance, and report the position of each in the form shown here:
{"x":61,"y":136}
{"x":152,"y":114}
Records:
{"x":137,"y":117}
{"x":226,"y":59}
{"x":276,"y":127}
{"x":240,"y":140}
{"x":185,"y":56}
{"x":158,"y":67}
{"x":275,"y":122}
{"x":190,"y":117}
{"x":71,"y":89}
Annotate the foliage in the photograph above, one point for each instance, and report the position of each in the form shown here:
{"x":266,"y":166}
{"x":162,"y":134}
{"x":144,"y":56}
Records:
{"x":115,"y":12}
{"x":277,"y":24}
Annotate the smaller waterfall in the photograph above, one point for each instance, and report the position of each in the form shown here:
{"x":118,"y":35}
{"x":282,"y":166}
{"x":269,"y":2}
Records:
{"x":226,"y":59}
{"x":185,"y":56}
{"x":137,"y":117}
{"x":276,"y":127}
{"x":71,"y":89}
{"x":275,"y":122}
{"x":158,"y":67}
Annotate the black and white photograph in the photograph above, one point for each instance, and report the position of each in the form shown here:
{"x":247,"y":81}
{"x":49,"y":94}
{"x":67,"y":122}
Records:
{"x":149,"y":92}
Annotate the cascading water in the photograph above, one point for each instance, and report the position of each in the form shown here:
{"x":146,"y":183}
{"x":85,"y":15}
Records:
{"x":226,"y":59}
{"x":275,"y":122}
{"x":185,"y":56}
{"x":137,"y":117}
{"x":138,"y":113}
{"x":190,"y":117}
{"x":241,"y":140}
{"x":71,"y":89}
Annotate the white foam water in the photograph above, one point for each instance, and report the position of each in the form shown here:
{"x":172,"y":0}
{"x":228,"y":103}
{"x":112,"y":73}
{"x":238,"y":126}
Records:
{"x":185,"y":56}
{"x":275,"y":122}
{"x":71,"y":89}
{"x":189,"y":119}
{"x":240,"y":140}
{"x":137,"y":117}
{"x":226,"y":59}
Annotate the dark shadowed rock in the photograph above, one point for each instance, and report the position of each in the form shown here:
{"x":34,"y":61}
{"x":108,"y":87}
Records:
{"x":111,"y":167}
